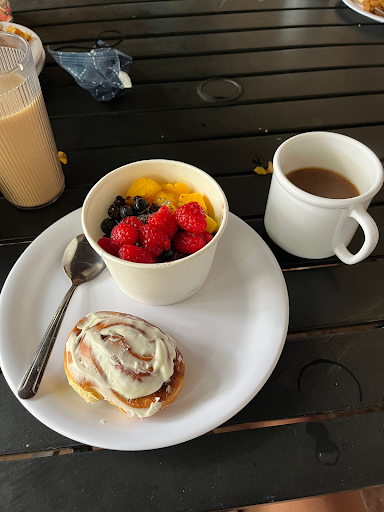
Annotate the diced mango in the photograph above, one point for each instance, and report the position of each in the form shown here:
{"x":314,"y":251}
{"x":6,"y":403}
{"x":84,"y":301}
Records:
{"x":195,"y":196}
{"x":212,"y":225}
{"x":171,"y":207}
{"x":181,"y":188}
{"x":62,"y":157}
{"x":144,"y":187}
{"x":169,"y":187}
{"x":166,"y":197}
{"x":210,"y":210}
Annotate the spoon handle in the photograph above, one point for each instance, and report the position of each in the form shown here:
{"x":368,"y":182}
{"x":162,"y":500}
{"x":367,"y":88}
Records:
{"x":32,"y":377}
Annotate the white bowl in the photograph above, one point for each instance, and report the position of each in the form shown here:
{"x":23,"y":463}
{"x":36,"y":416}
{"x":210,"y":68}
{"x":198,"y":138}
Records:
{"x":159,"y":283}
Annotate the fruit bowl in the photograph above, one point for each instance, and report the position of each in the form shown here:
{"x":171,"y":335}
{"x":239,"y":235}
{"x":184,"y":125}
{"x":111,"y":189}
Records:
{"x":159,"y":283}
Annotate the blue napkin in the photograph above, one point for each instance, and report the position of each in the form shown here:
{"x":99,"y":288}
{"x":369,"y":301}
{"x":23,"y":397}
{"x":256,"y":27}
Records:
{"x":103,"y":71}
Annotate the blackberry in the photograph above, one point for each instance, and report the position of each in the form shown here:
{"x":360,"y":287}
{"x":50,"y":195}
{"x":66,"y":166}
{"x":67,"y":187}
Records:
{"x":114,"y":209}
{"x":153,"y":208}
{"x":144,"y":217}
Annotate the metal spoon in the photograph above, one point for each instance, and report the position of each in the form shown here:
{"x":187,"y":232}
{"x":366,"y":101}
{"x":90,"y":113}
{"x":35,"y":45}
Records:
{"x":81,"y":264}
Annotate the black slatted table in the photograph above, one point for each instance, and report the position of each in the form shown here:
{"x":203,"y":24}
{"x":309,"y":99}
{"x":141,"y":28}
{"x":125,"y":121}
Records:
{"x":317,"y":426}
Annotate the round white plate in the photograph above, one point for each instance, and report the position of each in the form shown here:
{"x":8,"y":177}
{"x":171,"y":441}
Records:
{"x":37,"y":49}
{"x":357,"y":6}
{"x":231,"y":334}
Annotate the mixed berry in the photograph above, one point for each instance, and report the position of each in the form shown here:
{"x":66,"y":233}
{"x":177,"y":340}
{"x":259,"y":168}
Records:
{"x":164,"y":223}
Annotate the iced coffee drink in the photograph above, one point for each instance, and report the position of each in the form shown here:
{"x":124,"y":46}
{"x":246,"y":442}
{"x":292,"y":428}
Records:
{"x":30,"y":170}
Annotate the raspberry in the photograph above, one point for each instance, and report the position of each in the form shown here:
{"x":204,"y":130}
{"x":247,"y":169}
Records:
{"x":108,"y":246}
{"x":185,"y":242}
{"x":164,"y":219}
{"x":134,"y":253}
{"x":208,"y":237}
{"x":132,"y":221}
{"x":124,"y":234}
{"x":191,"y":217}
{"x":154,"y":239}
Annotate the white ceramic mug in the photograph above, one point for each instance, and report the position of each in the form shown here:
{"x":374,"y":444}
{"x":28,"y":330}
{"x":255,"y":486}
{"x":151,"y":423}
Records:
{"x":315,"y":227}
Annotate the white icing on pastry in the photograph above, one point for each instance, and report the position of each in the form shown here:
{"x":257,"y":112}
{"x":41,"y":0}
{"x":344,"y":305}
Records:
{"x":122,"y":354}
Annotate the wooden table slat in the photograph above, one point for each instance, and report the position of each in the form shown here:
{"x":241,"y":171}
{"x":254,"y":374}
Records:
{"x":321,"y":374}
{"x":211,"y":473}
{"x":212,"y":123}
{"x":242,"y":41}
{"x":200,"y":24}
{"x":66,"y":12}
{"x":184,"y":95}
{"x":201,"y":67}
{"x":314,"y":302}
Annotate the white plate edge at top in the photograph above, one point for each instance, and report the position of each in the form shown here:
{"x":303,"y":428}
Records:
{"x":357,"y":7}
{"x":37,"y":48}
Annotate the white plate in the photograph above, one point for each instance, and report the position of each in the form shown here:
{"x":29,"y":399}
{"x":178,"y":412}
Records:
{"x":231,"y":334}
{"x":357,"y":6}
{"x":38,"y":52}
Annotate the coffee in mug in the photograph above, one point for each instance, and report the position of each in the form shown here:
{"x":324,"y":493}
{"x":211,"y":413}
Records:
{"x":323,"y":183}
{"x":311,"y":223}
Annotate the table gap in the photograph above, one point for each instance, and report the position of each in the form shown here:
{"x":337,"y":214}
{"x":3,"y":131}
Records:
{"x":336,"y":330}
{"x":303,"y":419}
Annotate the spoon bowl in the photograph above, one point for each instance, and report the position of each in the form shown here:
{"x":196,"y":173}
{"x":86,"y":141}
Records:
{"x":81,"y":264}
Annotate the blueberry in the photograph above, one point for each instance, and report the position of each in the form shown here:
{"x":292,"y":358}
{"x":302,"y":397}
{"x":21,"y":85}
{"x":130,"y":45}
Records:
{"x":167,"y":255}
{"x":139,"y":205}
{"x":107,"y":225}
{"x":126,"y":211}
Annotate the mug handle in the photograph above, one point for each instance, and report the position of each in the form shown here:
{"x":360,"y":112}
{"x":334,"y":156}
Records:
{"x":371,"y":234}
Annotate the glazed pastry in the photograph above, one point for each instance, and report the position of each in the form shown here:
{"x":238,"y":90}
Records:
{"x":373,"y":6}
{"x":125,"y":360}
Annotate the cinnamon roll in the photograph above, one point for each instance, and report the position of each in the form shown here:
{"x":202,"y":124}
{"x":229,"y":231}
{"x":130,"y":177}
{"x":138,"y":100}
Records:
{"x":125,"y":360}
